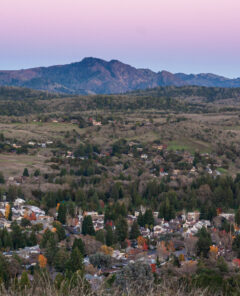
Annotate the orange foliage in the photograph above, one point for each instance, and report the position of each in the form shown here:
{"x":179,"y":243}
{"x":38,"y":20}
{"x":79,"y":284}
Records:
{"x":42,"y":260}
{"x":7,"y":211}
{"x":33,"y":217}
{"x":26,"y":215}
{"x":107,"y":250}
{"x":141,"y":241}
{"x":181,"y":258}
{"x":58,"y":205}
{"x":214,"y":250}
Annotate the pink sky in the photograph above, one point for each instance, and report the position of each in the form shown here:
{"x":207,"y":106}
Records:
{"x":176,"y":35}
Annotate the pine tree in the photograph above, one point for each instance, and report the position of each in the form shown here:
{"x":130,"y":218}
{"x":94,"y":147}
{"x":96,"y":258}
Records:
{"x":24,"y":281}
{"x":204,"y":242}
{"x":75,"y":262}
{"x":121,"y":229}
{"x":25,"y":173}
{"x":109,"y":236}
{"x":148,"y":218}
{"x":135,"y":232}
{"x":140,"y":220}
{"x":87,"y":226}
{"x":62,"y":212}
{"x":51,"y":250}
{"x":237,"y":217}
{"x":78,"y":243}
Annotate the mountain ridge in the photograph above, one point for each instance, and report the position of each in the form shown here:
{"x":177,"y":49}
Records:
{"x":97,"y":76}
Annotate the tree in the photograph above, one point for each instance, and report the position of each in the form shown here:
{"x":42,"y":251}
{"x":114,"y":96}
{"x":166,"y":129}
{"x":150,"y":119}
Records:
{"x":62,"y":212}
{"x":4,"y":273}
{"x":24,"y":281}
{"x":87,"y":226}
{"x":7,"y":211}
{"x":2,"y":180}
{"x":100,"y":260}
{"x":136,"y":276}
{"x":236,"y":245}
{"x":166,"y":211}
{"x":121,"y":229}
{"x":204,"y":242}
{"x":32,"y":240}
{"x":100,"y":236}
{"x":51,"y":250}
{"x":59,"y":230}
{"x":37,"y":173}
{"x":17,"y":236}
{"x":135,"y":232}
{"x":148,"y":218}
{"x":237,"y":217}
{"x":60,"y":260}
{"x":25,"y":173}
{"x":42,"y":260}
{"x":109,"y":236}
{"x":222,"y":265}
{"x":75,"y":262}
{"x":78,"y":243}
{"x":107,"y":250}
{"x":141,"y":220}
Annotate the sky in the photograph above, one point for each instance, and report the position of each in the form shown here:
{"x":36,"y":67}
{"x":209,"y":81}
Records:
{"x":190,"y":36}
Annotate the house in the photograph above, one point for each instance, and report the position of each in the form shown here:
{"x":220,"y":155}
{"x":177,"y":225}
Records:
{"x":193,"y":216}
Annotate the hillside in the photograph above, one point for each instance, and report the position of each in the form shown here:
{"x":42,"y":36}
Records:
{"x":96,"y":76}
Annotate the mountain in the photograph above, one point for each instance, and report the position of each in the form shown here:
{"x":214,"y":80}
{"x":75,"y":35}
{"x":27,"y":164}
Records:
{"x":96,"y":76}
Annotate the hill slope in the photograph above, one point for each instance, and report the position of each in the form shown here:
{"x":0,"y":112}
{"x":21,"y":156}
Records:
{"x":96,"y":76}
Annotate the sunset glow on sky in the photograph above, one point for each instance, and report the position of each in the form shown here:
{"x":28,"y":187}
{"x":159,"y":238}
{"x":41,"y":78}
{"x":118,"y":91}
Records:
{"x":190,"y":36}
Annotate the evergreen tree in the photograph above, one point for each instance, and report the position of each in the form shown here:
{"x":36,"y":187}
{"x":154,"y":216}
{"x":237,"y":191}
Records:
{"x":2,"y":180}
{"x":75,"y":262}
{"x":32,"y":240}
{"x":78,"y":243}
{"x":204,"y":242}
{"x":237,"y":217}
{"x":87,"y":226}
{"x":24,"y":281}
{"x":166,"y":211}
{"x":100,"y":236}
{"x":62,"y":212}
{"x":17,"y":236}
{"x":51,"y":250}
{"x":25,"y":173}
{"x":135,"y":232}
{"x":141,"y":220}
{"x":121,"y":229}
{"x":60,"y":260}
{"x":109,"y":236}
{"x":148,"y":218}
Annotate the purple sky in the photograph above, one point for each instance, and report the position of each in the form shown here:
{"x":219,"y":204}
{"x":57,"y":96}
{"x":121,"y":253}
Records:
{"x":190,"y":36}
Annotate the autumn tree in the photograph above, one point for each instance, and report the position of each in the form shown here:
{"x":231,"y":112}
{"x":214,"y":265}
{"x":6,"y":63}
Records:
{"x":42,"y":260}
{"x":106,"y":250}
{"x":7,"y":211}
